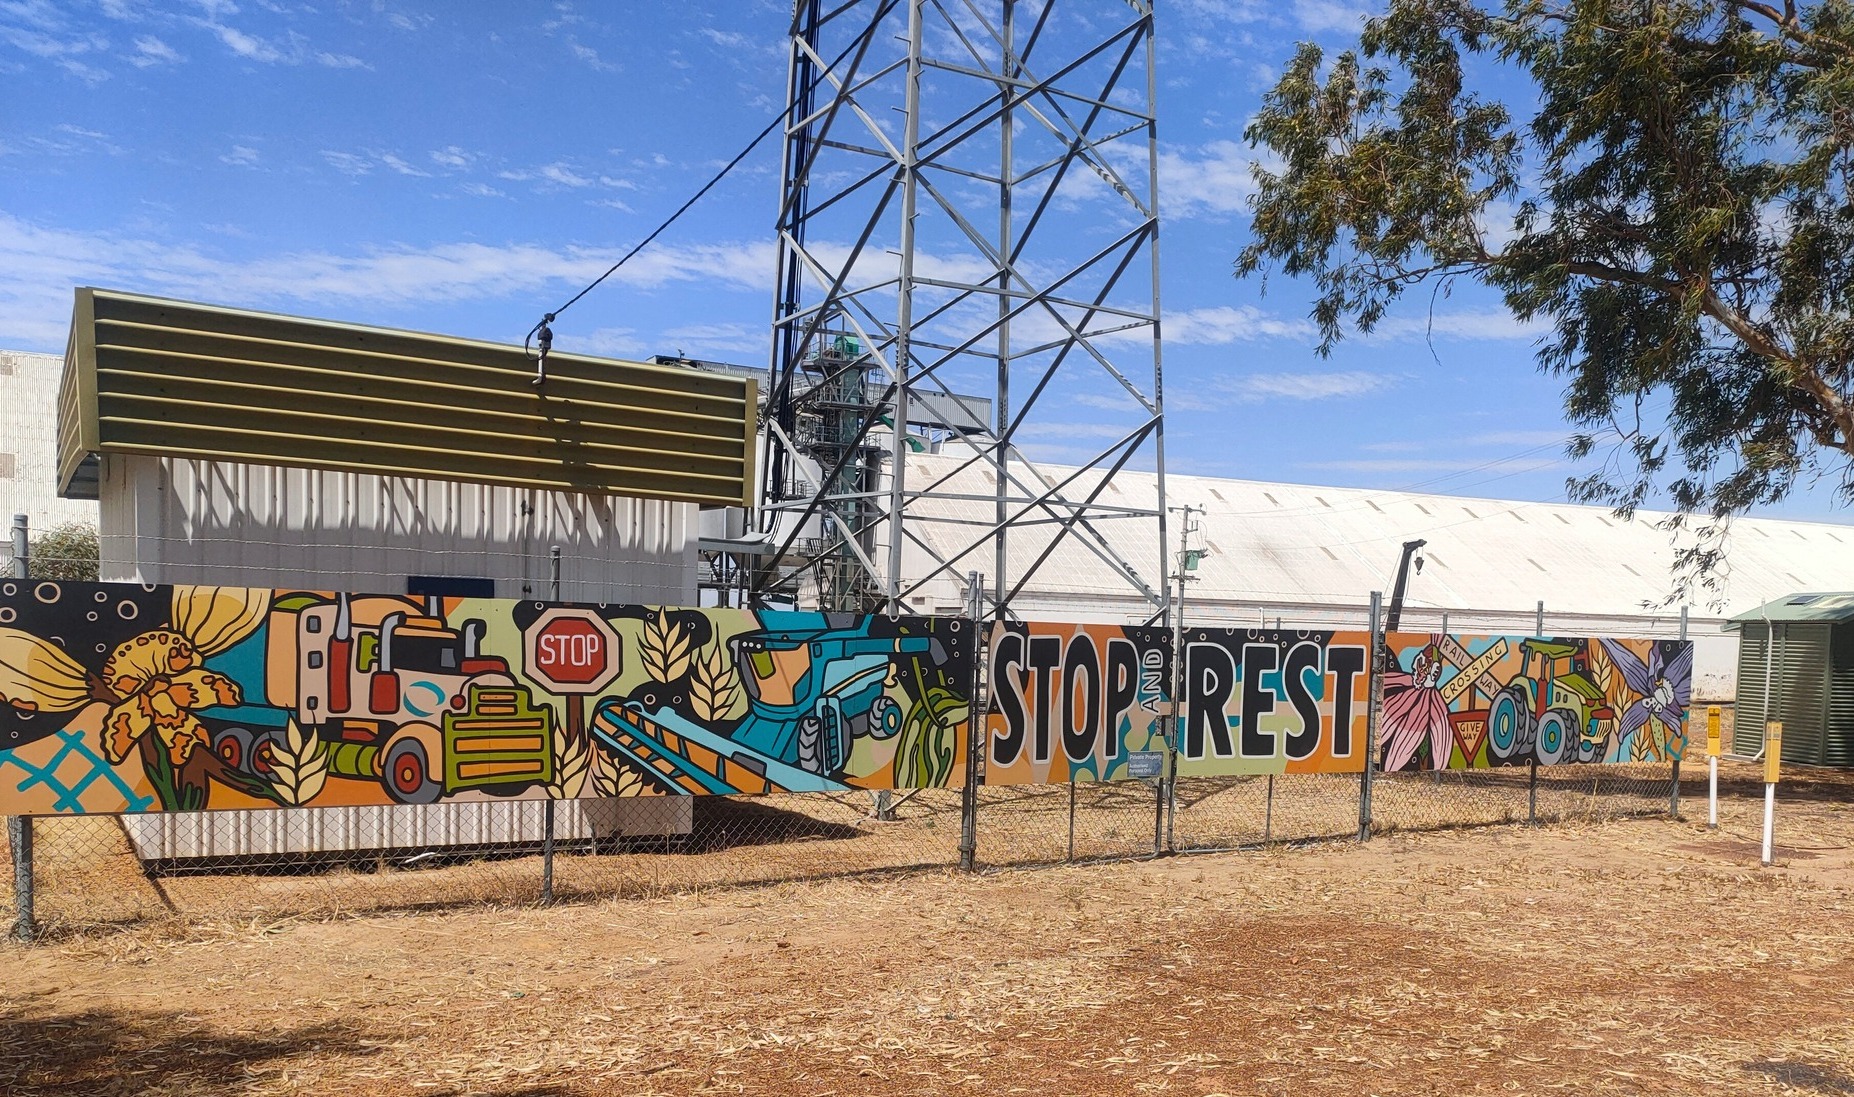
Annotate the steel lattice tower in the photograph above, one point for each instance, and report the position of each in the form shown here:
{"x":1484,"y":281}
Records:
{"x":968,"y":205}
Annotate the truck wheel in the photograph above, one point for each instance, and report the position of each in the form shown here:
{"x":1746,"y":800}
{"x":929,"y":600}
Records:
{"x":1557,"y":737}
{"x":406,"y":771}
{"x":234,"y":748}
{"x":1509,"y":726}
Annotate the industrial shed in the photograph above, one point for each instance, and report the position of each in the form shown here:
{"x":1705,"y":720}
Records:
{"x":1313,"y":555}
{"x":1796,"y":665}
{"x":239,"y":448}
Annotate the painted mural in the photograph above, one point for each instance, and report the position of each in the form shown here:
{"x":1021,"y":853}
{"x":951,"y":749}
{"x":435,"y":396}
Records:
{"x":1261,"y":701}
{"x":1073,"y":702}
{"x":119,"y":697}
{"x":1470,"y":702}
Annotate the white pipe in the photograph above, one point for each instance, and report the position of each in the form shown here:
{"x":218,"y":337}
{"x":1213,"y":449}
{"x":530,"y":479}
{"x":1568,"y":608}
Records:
{"x":1770,"y":817}
{"x":1712,"y":793}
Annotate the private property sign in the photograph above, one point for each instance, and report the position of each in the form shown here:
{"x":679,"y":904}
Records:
{"x":571,"y":651}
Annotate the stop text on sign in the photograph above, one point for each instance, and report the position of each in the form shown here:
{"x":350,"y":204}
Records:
{"x":571,"y":650}
{"x":1072,"y":689}
{"x":576,"y":650}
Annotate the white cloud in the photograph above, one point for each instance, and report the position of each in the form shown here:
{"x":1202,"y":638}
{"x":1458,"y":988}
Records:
{"x":294,"y":50}
{"x":1231,"y":324}
{"x":1259,"y":387}
{"x":727,"y":39}
{"x":38,"y":267}
{"x":348,"y":163}
{"x":481,"y":190}
{"x":556,"y":173}
{"x":1473,"y":325}
{"x":241,"y":156}
{"x":450,"y":156}
{"x":1327,"y":15}
{"x":1436,"y":464}
{"x":401,"y":166}
{"x":151,"y":51}
{"x":1212,"y":179}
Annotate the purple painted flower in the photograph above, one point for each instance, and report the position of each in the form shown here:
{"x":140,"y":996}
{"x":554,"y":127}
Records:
{"x":1665,"y":688}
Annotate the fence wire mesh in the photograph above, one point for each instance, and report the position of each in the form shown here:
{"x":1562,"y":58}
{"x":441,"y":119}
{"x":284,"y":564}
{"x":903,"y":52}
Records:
{"x":1235,"y":812}
{"x":92,"y":872}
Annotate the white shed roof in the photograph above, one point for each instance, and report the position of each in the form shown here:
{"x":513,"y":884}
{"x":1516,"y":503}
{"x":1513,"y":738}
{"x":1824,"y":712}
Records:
{"x":1293,"y":546}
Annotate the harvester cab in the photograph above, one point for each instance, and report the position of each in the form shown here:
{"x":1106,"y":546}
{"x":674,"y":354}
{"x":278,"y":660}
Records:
{"x":812,"y":693}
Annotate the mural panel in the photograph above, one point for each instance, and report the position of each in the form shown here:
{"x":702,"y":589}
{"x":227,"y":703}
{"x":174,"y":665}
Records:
{"x":1274,"y":701}
{"x":1073,"y":702}
{"x":1470,"y":702}
{"x":119,"y":697}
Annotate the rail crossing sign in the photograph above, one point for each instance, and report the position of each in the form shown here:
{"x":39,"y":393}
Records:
{"x":571,"y":651}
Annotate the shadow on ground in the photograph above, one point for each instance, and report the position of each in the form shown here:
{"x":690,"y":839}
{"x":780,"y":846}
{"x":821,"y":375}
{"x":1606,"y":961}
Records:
{"x":102,"y":1053}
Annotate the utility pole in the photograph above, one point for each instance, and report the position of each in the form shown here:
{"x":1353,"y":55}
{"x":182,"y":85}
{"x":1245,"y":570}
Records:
{"x":1188,"y":558}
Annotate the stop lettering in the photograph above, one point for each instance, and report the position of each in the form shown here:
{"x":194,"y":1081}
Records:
{"x":571,"y":651}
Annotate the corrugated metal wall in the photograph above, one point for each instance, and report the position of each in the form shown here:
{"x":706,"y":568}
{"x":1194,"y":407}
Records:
{"x":166,"y":520}
{"x":1808,"y":691}
{"x":166,"y":837}
{"x":1749,"y":714}
{"x":1840,"y":748}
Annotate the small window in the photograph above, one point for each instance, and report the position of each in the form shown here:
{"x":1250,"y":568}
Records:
{"x":315,"y":660}
{"x":8,"y":466}
{"x":312,"y":624}
{"x":448,"y":586}
{"x":1804,"y":599}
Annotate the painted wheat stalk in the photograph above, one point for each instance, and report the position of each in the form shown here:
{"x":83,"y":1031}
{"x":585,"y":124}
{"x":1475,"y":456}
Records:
{"x":298,"y":764}
{"x":572,"y":765}
{"x":665,"y":648}
{"x":714,"y":687}
{"x":612,"y":778}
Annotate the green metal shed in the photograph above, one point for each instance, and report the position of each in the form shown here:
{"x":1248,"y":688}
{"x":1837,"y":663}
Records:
{"x":1796,"y":664}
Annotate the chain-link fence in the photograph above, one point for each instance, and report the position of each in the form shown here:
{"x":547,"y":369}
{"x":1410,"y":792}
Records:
{"x":97,"y":871}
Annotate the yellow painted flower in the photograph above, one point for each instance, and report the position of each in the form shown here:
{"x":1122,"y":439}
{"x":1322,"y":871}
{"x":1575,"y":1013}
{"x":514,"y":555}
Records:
{"x":161,"y":678}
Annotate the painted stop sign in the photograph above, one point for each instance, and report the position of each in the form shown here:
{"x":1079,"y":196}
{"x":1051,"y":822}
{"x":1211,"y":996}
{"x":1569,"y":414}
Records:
{"x":571,"y":651}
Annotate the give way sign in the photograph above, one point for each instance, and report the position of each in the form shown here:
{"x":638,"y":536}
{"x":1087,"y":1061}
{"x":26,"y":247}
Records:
{"x":571,"y":651}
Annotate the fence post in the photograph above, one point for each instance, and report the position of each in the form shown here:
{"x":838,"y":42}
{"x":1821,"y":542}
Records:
{"x":1375,"y":681}
{"x":975,"y":726}
{"x":1673,"y":795}
{"x":547,"y":806}
{"x":19,"y":827}
{"x":19,"y":834}
{"x":1532,"y":763}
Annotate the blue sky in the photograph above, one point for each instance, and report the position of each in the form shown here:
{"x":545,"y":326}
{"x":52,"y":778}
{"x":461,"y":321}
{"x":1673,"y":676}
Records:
{"x":463,"y":166}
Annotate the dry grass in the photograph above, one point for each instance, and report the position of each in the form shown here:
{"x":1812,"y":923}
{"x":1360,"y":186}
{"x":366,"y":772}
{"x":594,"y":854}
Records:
{"x":1627,"y":957}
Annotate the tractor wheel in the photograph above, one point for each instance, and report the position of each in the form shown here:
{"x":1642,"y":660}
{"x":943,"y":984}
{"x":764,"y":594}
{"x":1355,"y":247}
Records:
{"x":406,"y":769}
{"x":1557,"y":737}
{"x":1509,"y":726}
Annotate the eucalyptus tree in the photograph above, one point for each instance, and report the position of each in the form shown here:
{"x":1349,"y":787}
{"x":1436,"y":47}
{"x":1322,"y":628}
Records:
{"x":1666,"y":186}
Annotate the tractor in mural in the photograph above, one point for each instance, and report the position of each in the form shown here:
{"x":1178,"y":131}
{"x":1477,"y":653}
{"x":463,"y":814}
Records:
{"x":1550,"y":716}
{"x":398,"y":697}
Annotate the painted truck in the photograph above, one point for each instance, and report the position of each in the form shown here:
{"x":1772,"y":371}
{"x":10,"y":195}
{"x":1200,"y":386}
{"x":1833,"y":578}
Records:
{"x":401,"y":698}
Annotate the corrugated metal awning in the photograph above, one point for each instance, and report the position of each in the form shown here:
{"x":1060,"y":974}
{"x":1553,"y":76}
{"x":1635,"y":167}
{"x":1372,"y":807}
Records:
{"x":177,"y":379}
{"x":1802,"y":606}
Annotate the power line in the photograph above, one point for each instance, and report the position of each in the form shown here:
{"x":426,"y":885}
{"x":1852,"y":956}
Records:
{"x":544,"y":335}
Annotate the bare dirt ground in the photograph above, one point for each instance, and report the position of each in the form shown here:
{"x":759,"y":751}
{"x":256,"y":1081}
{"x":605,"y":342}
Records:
{"x":1629,"y":957}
